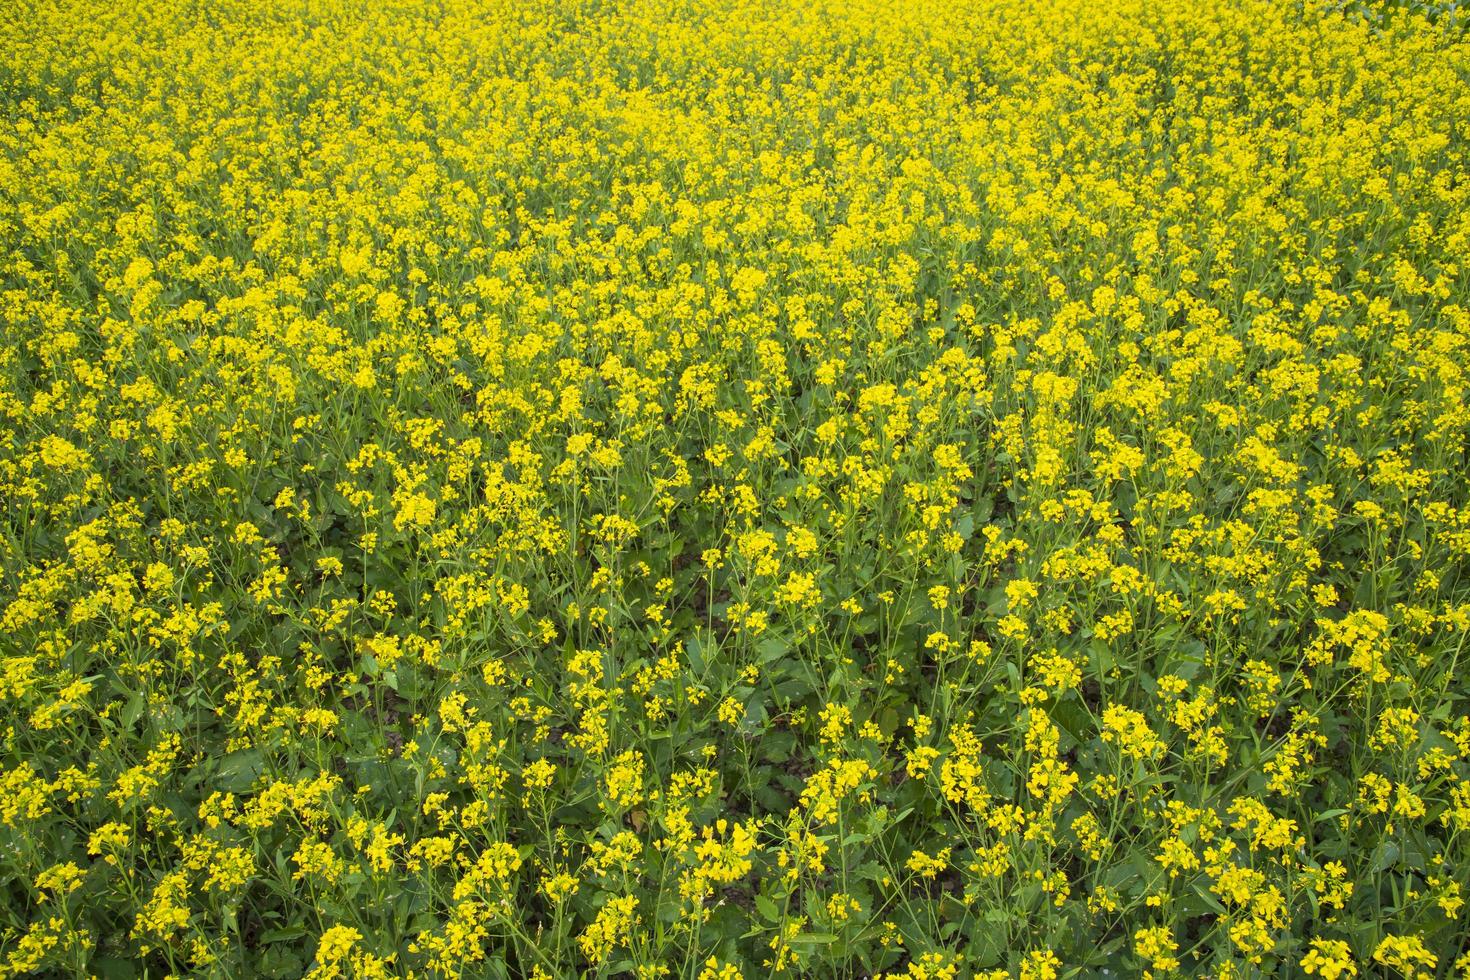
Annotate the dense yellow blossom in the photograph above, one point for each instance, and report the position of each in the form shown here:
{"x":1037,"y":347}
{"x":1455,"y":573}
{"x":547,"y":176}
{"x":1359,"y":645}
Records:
{"x":935,"y":489}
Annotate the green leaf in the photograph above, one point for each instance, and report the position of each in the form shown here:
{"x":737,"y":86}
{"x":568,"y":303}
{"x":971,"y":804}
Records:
{"x":238,"y":771}
{"x":283,"y":934}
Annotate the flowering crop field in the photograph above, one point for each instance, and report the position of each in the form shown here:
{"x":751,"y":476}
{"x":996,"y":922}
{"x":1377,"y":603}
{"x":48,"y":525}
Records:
{"x":710,"y":489}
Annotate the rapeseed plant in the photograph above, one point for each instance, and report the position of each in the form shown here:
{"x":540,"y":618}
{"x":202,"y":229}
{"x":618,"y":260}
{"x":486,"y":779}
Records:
{"x":965,"y":489}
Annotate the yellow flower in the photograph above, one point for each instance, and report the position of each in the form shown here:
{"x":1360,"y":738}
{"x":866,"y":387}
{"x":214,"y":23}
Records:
{"x":1155,"y":945}
{"x":332,"y":949}
{"x":1331,"y":958}
{"x":926,"y":866}
{"x":612,"y":927}
{"x":624,"y":784}
{"x":539,"y":774}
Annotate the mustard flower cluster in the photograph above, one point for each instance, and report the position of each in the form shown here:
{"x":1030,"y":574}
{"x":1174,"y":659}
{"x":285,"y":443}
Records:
{"x":692,"y":489}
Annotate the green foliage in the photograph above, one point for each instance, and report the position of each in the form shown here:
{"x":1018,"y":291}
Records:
{"x":701,"y":490}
